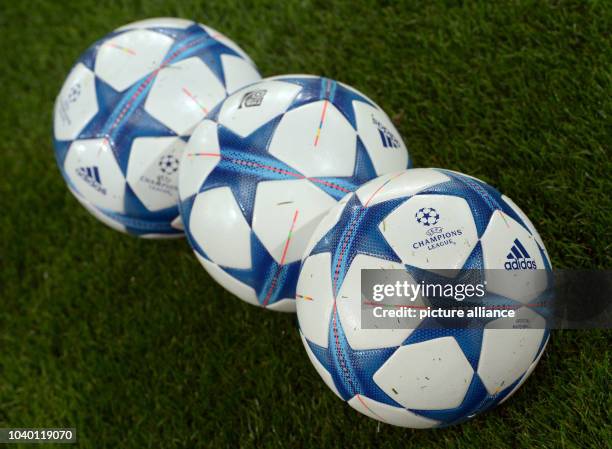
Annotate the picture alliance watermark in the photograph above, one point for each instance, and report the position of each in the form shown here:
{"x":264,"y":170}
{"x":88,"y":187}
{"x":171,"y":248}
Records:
{"x":501,"y":299}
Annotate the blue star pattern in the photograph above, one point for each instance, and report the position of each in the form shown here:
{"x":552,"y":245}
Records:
{"x":121,"y":118}
{"x":357,"y":232}
{"x":246,"y":161}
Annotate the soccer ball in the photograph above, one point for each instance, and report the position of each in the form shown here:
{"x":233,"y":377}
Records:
{"x":426,"y":376}
{"x":123,"y":116}
{"x":263,"y":168}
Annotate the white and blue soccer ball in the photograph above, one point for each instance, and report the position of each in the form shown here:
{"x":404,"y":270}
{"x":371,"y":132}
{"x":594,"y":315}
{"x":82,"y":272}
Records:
{"x":423,"y":221}
{"x":264,"y":167}
{"x":126,"y":110}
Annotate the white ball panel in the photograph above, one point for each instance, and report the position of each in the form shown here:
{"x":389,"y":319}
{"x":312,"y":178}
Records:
{"x":243,"y":119}
{"x":418,"y":376}
{"x":528,"y":222}
{"x":231,"y":284}
{"x":124,"y":59}
{"x":295,"y":141}
{"x":146,"y":151}
{"x":315,"y":299}
{"x":498,"y":242}
{"x":389,"y":414}
{"x":198,"y":159}
{"x":219,"y":227}
{"x":325,"y":375}
{"x":527,"y":374}
{"x":238,"y":73}
{"x":506,"y":354}
{"x":524,"y":317}
{"x":328,"y":221}
{"x":348,"y":303}
{"x":158,"y":22}
{"x":377,"y":190}
{"x":177,"y":223}
{"x":155,"y":185}
{"x":409,"y":238}
{"x":276,"y":205}
{"x":286,"y":305}
{"x":76,"y":103}
{"x":93,"y":170}
{"x":387,"y":150}
{"x":290,"y":75}
{"x":183,"y":93}
{"x":401,"y":184}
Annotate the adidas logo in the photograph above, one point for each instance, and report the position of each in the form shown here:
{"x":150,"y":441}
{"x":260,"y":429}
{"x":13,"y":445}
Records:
{"x":387,"y":137}
{"x":519,"y":258}
{"x":91,"y":175}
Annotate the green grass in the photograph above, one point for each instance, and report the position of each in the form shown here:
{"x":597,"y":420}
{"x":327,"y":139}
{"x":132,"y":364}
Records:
{"x":122,"y":338}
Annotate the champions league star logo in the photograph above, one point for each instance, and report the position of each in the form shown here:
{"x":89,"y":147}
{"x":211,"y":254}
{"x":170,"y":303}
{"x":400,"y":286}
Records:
{"x":427,"y":216}
{"x":74,"y":93}
{"x":64,"y":103}
{"x":163,"y":181}
{"x":168,"y":164}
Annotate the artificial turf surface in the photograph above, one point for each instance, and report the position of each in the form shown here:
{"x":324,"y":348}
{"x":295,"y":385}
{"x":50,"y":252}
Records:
{"x":132,"y":343}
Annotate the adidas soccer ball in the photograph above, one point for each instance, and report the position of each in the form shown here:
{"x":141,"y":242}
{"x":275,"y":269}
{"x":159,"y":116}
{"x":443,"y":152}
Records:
{"x":420,"y":221}
{"x":123,"y":116}
{"x":264,"y":167}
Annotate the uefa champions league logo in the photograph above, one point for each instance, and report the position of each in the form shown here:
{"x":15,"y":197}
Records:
{"x":64,"y":103}
{"x":252,"y":98}
{"x":437,"y":236}
{"x":74,"y":93}
{"x":427,"y":216}
{"x":163,"y":181}
{"x":168,"y":164}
